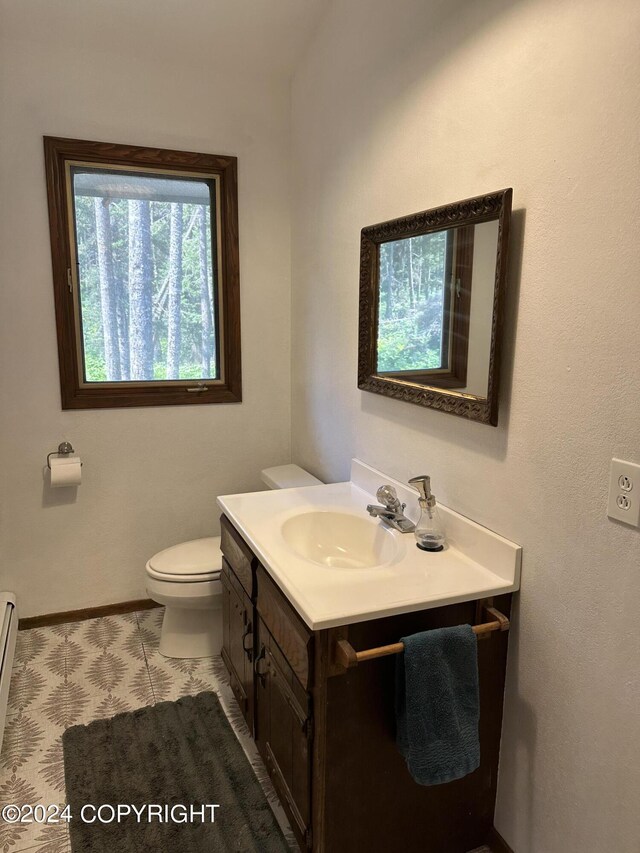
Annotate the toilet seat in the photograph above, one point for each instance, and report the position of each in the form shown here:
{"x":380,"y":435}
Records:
{"x":186,"y":580}
{"x":189,"y":562}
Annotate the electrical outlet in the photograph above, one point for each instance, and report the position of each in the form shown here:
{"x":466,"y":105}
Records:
{"x":625,"y":482}
{"x":624,"y":492}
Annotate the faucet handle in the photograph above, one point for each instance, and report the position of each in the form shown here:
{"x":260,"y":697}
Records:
{"x":388,"y":496}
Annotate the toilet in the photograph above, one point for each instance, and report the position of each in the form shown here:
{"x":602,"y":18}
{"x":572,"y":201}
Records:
{"x":186,"y":579}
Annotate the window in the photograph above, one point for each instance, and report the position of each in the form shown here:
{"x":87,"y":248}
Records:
{"x":424,"y":297}
{"x":145,"y":264}
{"x":414,"y":306}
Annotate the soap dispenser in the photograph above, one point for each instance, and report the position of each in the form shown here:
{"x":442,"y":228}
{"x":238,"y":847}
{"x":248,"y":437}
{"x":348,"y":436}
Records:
{"x":429,"y":531}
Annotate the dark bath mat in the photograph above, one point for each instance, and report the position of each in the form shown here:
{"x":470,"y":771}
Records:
{"x":182,"y":752}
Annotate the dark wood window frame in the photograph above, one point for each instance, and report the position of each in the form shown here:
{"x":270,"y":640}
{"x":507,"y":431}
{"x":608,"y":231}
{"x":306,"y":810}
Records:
{"x":77,"y":394}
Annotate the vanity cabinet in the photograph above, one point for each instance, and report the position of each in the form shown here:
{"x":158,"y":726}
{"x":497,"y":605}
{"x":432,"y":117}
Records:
{"x":284,"y":731}
{"x":237,"y":642}
{"x":284,"y":721}
{"x":238,"y":620}
{"x":326,"y":733}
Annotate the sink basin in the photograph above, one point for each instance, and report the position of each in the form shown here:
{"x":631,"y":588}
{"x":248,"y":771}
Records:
{"x":339,"y":540}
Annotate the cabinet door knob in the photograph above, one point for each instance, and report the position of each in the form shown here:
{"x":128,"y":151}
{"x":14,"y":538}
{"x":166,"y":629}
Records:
{"x":261,"y":665}
{"x":247,"y":641}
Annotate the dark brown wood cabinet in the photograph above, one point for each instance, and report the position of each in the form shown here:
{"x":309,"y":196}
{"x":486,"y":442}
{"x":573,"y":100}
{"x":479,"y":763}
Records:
{"x":238,"y":641}
{"x":283,"y":731}
{"x":327,"y":734}
{"x":238,"y":617}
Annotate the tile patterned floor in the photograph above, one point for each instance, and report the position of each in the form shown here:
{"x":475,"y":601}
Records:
{"x":70,"y":674}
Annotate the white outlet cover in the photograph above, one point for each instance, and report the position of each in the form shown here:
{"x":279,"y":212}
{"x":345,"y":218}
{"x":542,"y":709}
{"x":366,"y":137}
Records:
{"x":624,"y":492}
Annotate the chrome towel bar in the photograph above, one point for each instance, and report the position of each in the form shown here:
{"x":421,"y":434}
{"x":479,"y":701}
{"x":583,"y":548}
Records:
{"x":345,"y":656}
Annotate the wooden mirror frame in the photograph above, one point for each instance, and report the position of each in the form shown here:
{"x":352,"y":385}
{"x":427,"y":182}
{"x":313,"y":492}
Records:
{"x":471,"y":211}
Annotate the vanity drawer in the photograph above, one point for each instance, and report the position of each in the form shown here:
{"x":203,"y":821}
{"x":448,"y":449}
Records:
{"x":293,"y":637}
{"x":238,"y":555}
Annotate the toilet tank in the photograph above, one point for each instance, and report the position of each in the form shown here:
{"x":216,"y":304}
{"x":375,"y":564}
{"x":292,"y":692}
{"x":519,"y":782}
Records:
{"x":288,"y":477}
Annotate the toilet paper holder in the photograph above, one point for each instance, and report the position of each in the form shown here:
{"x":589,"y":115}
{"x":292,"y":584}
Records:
{"x":65,"y":448}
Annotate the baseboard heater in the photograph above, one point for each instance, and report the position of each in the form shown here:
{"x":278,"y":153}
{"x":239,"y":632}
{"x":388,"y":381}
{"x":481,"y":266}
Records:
{"x":8,"y":634}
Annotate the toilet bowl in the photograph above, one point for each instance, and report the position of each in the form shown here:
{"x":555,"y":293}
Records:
{"x":186,"y":579}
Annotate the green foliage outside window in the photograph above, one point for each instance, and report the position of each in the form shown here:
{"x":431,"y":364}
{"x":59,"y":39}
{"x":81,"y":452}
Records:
{"x":411,"y":303}
{"x":191,"y":311}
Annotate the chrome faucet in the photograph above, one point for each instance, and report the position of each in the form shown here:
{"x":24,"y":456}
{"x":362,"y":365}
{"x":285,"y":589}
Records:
{"x":392,"y":511}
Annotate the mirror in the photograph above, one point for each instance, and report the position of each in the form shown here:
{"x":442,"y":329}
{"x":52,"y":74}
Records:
{"x":431,"y":299}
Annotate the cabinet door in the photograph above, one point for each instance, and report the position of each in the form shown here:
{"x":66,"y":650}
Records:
{"x":237,"y":643}
{"x":284,"y":733}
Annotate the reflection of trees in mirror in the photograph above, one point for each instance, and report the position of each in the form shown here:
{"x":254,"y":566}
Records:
{"x":146,"y":284}
{"x":412,"y":329}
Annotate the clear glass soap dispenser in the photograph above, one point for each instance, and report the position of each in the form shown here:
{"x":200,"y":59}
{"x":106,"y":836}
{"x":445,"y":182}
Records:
{"x":429,"y":531}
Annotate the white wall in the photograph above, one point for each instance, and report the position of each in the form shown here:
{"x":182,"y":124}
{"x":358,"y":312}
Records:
{"x":151,"y":475}
{"x":398,"y":107}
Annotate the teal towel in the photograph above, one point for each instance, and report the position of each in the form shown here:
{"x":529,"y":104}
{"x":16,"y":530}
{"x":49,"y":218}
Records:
{"x":437,"y":704}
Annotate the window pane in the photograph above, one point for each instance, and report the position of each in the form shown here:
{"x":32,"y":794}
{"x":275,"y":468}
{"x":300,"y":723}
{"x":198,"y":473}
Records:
{"x":147,"y":271}
{"x":413,"y":315}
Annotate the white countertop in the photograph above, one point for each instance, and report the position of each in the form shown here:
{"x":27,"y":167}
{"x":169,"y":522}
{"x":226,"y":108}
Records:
{"x":476,"y":563}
